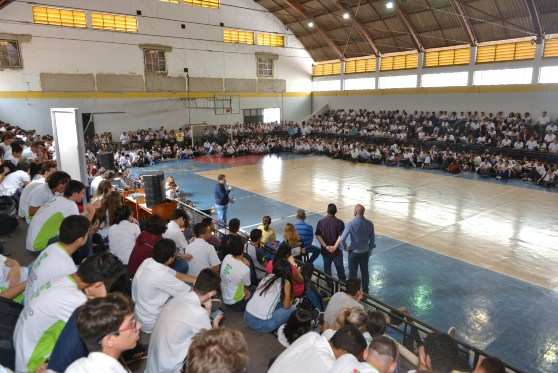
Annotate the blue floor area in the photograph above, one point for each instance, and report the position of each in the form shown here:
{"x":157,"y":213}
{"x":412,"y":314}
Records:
{"x":508,"y":318}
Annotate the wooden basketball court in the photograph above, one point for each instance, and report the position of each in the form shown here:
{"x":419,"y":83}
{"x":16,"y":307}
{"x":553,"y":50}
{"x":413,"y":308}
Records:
{"x":503,"y":228}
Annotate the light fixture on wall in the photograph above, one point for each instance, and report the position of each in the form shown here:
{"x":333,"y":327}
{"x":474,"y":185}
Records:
{"x":346,"y":15}
{"x":390,"y":4}
{"x":310,"y":24}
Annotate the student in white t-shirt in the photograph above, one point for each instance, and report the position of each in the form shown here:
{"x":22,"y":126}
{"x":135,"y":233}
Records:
{"x":45,"y":225}
{"x":55,"y":185}
{"x":235,"y":276}
{"x":17,"y":180}
{"x":175,"y":231}
{"x":56,"y":260}
{"x":42,"y":319}
{"x":12,"y":279}
{"x":383,"y":354}
{"x":155,"y":282}
{"x":203,"y":254}
{"x":313,"y":353}
{"x":271,"y":303}
{"x":172,"y":335}
{"x":108,"y":328}
{"x":39,"y":173}
{"x":123,"y":233}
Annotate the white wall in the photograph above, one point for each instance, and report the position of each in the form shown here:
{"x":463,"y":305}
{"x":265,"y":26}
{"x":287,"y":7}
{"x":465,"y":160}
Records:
{"x":199,"y":47}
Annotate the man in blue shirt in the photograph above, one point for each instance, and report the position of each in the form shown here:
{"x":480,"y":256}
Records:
{"x":306,"y":234}
{"x":222,"y":191}
{"x":360,"y":232}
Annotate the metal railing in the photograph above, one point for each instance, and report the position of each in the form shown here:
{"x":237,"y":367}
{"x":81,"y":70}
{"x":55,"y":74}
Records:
{"x":329,"y":285}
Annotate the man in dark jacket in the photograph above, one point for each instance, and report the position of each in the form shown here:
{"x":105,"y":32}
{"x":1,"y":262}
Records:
{"x":222,"y":191}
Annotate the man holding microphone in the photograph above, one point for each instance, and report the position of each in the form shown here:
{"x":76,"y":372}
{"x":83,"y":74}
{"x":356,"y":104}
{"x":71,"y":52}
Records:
{"x":222,"y":199}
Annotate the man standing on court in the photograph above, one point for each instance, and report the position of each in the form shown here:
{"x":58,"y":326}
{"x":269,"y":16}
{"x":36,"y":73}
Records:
{"x":360,"y":232}
{"x":222,"y":191}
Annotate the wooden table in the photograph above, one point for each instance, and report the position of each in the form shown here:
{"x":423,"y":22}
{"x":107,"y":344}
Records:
{"x":140,"y":211}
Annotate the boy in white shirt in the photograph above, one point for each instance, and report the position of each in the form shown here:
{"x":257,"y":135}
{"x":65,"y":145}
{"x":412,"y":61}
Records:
{"x":12,"y":279}
{"x":41,"y":172}
{"x":203,"y":254}
{"x":175,"y":231}
{"x":123,"y":233}
{"x":173,"y":332}
{"x":235,"y":276}
{"x":45,"y":225}
{"x":313,"y":353}
{"x":55,"y":184}
{"x":17,"y":180}
{"x":155,"y":282}
{"x":383,"y":354}
{"x":108,"y":328}
{"x":44,"y":316}
{"x":56,"y":260}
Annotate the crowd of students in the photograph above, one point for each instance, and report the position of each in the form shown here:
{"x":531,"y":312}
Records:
{"x":512,"y":146}
{"x":101,"y":282}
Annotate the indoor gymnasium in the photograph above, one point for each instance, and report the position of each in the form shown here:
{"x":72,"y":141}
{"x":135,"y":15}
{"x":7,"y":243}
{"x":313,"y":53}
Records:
{"x":313,"y":186}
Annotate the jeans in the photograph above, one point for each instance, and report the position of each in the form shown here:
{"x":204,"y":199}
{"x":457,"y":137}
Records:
{"x":181,"y":265}
{"x":359,"y":260}
{"x":337,"y":260}
{"x":221,"y":211}
{"x":314,"y":251}
{"x":279,"y":317}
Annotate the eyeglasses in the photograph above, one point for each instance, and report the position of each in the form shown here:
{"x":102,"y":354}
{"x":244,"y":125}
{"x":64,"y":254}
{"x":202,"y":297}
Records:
{"x":133,"y":325}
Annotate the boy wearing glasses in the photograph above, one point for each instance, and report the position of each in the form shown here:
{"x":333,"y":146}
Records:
{"x":108,"y":328}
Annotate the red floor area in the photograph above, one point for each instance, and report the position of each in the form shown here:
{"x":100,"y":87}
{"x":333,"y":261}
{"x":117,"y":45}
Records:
{"x":230,"y":161}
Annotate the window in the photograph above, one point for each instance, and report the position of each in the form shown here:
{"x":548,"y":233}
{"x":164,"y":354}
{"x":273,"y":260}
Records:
{"x":548,"y":74}
{"x":447,"y":57}
{"x":199,"y":3}
{"x":328,"y":68}
{"x":59,"y":17}
{"x":253,"y":115}
{"x":326,"y":85}
{"x":550,"y":48}
{"x":399,"y":62}
{"x":522,"y":50}
{"x":397,"y":81}
{"x":271,"y":40}
{"x":360,"y":65}
{"x":114,"y":22}
{"x":454,"y":79}
{"x":359,"y":83}
{"x":265,"y":67}
{"x":503,"y":76}
{"x":238,"y":36}
{"x":9,"y":54}
{"x":203,"y":3}
{"x":155,"y":61}
{"x":272,"y":115}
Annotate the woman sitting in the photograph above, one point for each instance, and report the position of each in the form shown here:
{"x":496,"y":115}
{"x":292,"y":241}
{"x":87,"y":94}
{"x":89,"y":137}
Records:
{"x":284,"y":252}
{"x":271,"y":305}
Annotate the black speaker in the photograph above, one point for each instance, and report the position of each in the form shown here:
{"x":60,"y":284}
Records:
{"x":154,"y":187}
{"x":106,"y":160}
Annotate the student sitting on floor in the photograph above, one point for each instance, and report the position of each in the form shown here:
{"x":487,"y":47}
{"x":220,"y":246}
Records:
{"x":173,"y":331}
{"x":108,"y":328}
{"x":155,"y":282}
{"x":271,"y":303}
{"x":235,"y":276}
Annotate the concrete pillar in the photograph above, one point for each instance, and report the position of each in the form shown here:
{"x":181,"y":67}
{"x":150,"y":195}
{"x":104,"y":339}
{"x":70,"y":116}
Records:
{"x":538,"y":62}
{"x":472,"y":64}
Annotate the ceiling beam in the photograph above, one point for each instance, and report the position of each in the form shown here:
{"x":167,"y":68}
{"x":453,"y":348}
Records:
{"x":301,"y":12}
{"x":410,"y":28}
{"x":360,"y":28}
{"x":458,"y":6}
{"x":536,"y":19}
